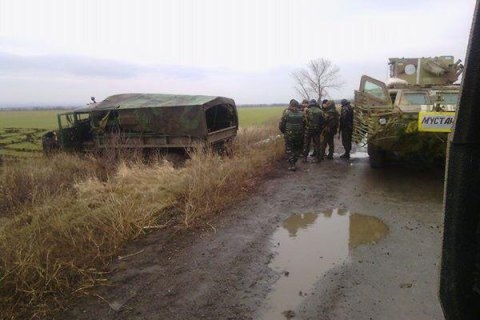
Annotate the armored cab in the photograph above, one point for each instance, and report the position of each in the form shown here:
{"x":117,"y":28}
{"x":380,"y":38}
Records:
{"x":146,"y":121}
{"x":412,"y":113}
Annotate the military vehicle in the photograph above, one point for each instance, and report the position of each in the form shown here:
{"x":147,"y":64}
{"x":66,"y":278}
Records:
{"x":411,"y":114}
{"x":146,"y":122}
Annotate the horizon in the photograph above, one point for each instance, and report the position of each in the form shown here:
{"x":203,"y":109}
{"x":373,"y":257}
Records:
{"x":54,"y":52}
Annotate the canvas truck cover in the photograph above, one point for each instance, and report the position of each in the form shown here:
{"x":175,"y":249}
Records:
{"x":166,"y":114}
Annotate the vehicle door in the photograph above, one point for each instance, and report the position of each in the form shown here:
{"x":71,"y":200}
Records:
{"x":74,"y":130}
{"x":372,"y":93}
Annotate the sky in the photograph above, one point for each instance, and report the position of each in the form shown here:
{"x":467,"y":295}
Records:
{"x":60,"y":53}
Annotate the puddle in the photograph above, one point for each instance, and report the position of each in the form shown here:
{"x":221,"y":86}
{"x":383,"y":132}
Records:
{"x":360,"y":151}
{"x":359,"y":155}
{"x":307,"y":245}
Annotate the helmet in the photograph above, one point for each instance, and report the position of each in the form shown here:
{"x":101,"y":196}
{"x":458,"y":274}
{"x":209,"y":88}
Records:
{"x":324,"y":101}
{"x":293,"y":103}
{"x":344,"y":102}
{"x":312,"y":102}
{"x":304,"y":101}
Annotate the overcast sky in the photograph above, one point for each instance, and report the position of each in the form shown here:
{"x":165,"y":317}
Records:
{"x":58,"y":52}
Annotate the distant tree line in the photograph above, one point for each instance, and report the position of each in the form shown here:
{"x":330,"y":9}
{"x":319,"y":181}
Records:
{"x":35,"y":108}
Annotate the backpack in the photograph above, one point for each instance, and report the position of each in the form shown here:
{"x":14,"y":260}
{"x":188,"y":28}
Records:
{"x":294,"y":122}
{"x":316,"y":119}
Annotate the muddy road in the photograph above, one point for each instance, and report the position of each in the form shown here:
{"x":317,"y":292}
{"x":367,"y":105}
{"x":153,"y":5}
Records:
{"x":335,"y":240}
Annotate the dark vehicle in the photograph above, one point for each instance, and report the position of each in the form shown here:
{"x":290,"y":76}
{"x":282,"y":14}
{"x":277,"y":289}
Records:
{"x":146,"y":122}
{"x":413,"y":113}
{"x":460,"y":272}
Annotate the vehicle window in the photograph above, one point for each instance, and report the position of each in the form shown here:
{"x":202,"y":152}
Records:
{"x":415,"y":99}
{"x":220,"y":117}
{"x":67,"y":120}
{"x":374,"y":90}
{"x":450,"y":98}
{"x":82,"y":116}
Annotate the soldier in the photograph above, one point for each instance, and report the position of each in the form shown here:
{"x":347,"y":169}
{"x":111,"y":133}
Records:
{"x":292,"y":125}
{"x":329,"y":130}
{"x":324,"y":104}
{"x":304,"y":105}
{"x":346,"y":127}
{"x":314,"y":120}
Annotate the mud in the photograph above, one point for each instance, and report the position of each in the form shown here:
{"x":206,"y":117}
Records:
{"x":307,"y":246}
{"x":334,"y":240}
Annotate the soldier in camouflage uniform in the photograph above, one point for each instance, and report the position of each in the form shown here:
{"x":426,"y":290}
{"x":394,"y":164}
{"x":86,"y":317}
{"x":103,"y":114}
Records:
{"x":324,"y":105}
{"x":304,"y":105}
{"x":346,"y":127}
{"x":314,"y":120}
{"x":292,"y":125}
{"x":329,"y":130}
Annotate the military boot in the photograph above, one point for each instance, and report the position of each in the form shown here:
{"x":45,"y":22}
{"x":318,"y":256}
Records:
{"x":345,"y":156}
{"x":292,"y":166}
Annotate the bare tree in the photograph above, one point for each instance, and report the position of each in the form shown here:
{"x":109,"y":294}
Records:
{"x":316,"y":79}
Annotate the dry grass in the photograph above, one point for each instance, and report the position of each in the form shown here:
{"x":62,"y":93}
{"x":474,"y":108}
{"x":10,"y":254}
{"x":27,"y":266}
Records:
{"x":27,"y":182}
{"x":67,"y":218}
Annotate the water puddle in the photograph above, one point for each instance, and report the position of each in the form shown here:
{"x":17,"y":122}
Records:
{"x":307,"y":245}
{"x":359,"y":155}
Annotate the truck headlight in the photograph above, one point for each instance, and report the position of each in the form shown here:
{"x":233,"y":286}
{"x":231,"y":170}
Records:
{"x":382,"y":121}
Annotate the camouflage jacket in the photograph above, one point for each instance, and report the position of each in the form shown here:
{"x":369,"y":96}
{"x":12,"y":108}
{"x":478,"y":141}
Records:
{"x":331,"y":121}
{"x":292,"y":122}
{"x":314,"y":119}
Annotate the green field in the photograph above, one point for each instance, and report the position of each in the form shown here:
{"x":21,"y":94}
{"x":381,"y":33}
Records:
{"x":250,"y":116}
{"x":43,"y":119}
{"x":21,"y":131}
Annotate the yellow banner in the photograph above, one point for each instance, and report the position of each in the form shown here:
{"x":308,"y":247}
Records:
{"x":436,"y":121}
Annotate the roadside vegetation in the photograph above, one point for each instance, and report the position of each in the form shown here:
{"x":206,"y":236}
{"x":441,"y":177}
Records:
{"x":63,"y":219}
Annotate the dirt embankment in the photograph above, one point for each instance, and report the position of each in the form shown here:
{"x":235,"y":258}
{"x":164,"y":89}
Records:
{"x":377,"y":250}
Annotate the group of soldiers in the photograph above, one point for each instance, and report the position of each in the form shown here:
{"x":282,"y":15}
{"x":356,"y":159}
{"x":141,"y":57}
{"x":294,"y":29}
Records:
{"x":302,"y":124}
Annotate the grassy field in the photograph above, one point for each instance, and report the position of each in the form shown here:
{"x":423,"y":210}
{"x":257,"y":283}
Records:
{"x":42,"y":119}
{"x":64,"y":218}
{"x":259,"y":115}
{"x":21,"y":131}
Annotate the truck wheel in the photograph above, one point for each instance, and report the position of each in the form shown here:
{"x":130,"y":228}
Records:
{"x":228,"y":148}
{"x":224,"y":148}
{"x":376,"y":156}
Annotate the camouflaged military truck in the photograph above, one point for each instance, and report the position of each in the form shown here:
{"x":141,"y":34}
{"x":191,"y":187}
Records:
{"x":146,"y":122}
{"x":412,"y":113}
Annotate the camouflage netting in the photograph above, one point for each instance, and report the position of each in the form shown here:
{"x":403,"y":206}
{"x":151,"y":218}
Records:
{"x":144,"y":100}
{"x":165,"y":113}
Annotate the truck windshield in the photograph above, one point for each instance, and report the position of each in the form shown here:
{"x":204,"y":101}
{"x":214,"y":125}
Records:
{"x":450,"y":98}
{"x":415,"y":98}
{"x":68,"y":120}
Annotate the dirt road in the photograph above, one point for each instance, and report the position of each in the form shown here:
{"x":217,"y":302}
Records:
{"x":335,"y":240}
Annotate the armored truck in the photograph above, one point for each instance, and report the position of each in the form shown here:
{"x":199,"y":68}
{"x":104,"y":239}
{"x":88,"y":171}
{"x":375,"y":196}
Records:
{"x":146,"y":122}
{"x":412,"y":113}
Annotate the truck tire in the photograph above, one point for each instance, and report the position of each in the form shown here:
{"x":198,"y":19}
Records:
{"x":224,"y":148}
{"x":376,"y":156}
